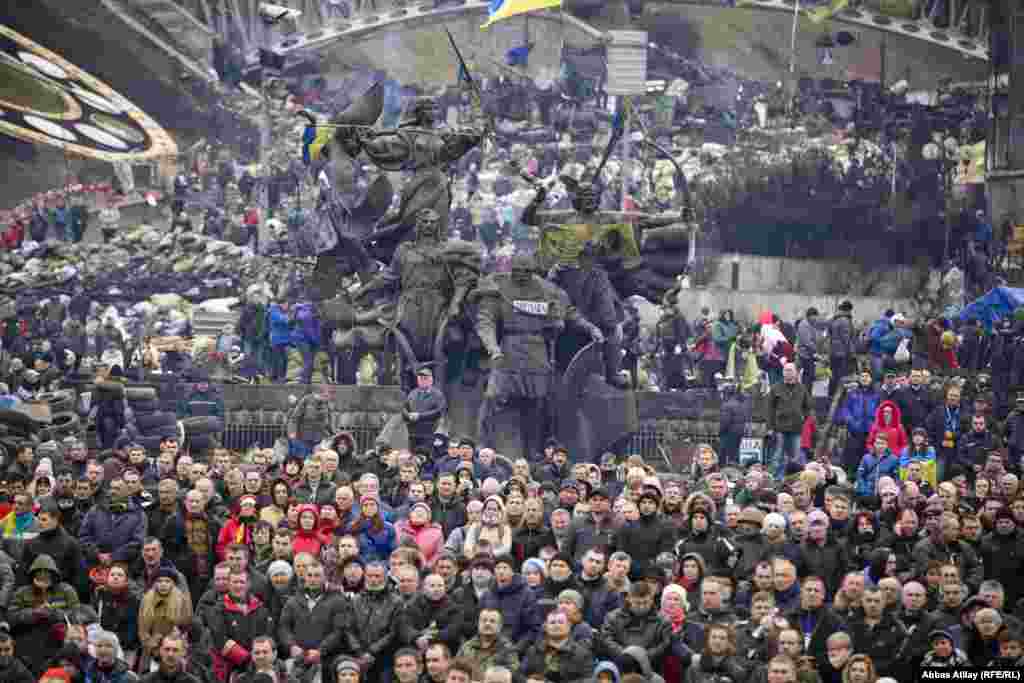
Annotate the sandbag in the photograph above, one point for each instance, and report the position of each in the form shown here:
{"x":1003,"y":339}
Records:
{"x":668,"y":263}
{"x":105,"y":389}
{"x":204,"y":424}
{"x":19,"y":421}
{"x":673,"y":237}
{"x":147,"y":423}
{"x":140,"y":393}
{"x":143,"y":406}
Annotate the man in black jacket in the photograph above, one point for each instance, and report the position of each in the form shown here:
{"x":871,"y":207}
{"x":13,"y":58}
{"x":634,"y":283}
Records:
{"x":190,"y":541}
{"x":236,"y":620}
{"x":447,"y":509}
{"x":946,"y":547}
{"x":877,"y":633}
{"x":12,"y":669}
{"x":639,"y":624}
{"x":789,"y":404}
{"x":647,"y":537}
{"x":842,"y":347}
{"x":815,"y":621}
{"x":172,"y":663}
{"x":55,"y":542}
{"x":372,"y":630}
{"x":306,"y":630}
{"x":1002,"y":554}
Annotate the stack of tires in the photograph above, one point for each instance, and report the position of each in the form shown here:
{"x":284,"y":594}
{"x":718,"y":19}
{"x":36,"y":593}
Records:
{"x":64,"y":421}
{"x":202,"y":432}
{"x":17,"y":426}
{"x":151,"y":423}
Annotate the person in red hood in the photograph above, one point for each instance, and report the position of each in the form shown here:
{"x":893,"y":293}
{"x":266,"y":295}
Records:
{"x":328,"y":523}
{"x":239,"y":527}
{"x":429,"y":537}
{"x":888,"y":422}
{"x":307,"y":537}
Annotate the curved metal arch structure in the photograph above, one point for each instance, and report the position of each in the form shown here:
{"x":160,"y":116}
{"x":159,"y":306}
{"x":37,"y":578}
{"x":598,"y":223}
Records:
{"x":879,"y":21}
{"x":365,"y":26}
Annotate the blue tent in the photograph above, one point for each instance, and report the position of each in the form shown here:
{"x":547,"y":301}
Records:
{"x":997,"y":304}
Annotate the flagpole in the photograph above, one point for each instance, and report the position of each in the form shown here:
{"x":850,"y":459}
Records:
{"x":625,"y":167}
{"x":792,"y":53}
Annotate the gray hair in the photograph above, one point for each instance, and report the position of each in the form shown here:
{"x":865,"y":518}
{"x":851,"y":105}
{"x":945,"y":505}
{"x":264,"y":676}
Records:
{"x":496,"y":674}
{"x":108,"y":636}
{"x":839,"y":638}
{"x":992,"y":586}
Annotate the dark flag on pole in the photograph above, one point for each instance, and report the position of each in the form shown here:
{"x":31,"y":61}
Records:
{"x":518,"y":56}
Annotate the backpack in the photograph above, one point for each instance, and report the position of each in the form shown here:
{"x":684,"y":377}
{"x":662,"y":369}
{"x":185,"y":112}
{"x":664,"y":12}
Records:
{"x":902,"y":354}
{"x":782,"y":353}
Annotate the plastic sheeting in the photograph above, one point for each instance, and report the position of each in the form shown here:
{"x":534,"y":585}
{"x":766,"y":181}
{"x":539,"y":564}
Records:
{"x":997,"y":304}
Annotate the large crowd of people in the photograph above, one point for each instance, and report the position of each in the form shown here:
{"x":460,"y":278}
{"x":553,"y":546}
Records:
{"x":129,"y":552}
{"x":450,"y":562}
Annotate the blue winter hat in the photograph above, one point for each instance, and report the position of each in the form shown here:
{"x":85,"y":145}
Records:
{"x":535,"y":564}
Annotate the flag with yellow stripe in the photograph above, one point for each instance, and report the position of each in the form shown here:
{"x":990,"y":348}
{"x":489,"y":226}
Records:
{"x":815,"y":10}
{"x":503,"y":9}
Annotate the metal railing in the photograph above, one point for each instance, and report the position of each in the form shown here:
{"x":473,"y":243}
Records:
{"x":245,"y":430}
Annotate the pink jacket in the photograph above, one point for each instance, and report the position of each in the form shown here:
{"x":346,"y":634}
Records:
{"x":429,"y":538}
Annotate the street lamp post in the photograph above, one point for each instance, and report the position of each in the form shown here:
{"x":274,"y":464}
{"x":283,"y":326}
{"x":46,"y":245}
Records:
{"x":945,"y":153}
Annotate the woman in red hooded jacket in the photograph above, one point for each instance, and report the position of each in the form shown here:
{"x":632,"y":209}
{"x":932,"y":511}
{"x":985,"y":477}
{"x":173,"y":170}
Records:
{"x":888,"y":422}
{"x":307,"y":537}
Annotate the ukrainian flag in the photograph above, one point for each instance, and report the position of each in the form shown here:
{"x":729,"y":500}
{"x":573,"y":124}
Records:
{"x":314,"y":139}
{"x":815,"y":10}
{"x":503,"y":9}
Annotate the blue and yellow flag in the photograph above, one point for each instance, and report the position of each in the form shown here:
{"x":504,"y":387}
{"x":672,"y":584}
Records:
{"x":503,"y":9}
{"x":314,"y":139}
{"x":817,"y":11}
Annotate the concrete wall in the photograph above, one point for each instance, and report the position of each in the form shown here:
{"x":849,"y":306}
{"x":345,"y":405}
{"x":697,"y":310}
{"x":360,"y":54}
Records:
{"x":788,"y":306}
{"x":773,"y":274}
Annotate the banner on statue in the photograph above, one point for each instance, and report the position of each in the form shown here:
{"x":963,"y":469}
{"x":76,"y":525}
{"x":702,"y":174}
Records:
{"x":563,"y":243}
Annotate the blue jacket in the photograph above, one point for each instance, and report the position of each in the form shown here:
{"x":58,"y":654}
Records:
{"x":876,"y":333}
{"x":891,"y":341}
{"x":872,"y":469}
{"x":377,"y":545}
{"x":858,"y":410}
{"x":983,"y":232}
{"x":279,"y":326}
{"x":307,"y":328}
{"x":118,"y":533}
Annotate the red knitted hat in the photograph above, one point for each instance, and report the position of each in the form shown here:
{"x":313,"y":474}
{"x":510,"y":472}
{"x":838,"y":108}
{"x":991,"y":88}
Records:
{"x":56,"y":673}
